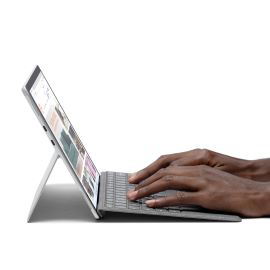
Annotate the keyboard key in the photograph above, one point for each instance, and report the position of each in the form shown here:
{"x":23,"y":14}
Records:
{"x":121,"y":200}
{"x":134,"y":207}
{"x":109,"y":205}
{"x":117,"y":186}
{"x":120,"y":189}
{"x":144,"y":207}
{"x":121,"y":206}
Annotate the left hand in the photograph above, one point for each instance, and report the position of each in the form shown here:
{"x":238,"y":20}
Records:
{"x":207,"y":187}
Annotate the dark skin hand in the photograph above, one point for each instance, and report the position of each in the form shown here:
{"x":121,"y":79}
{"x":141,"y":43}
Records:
{"x":208,"y":179}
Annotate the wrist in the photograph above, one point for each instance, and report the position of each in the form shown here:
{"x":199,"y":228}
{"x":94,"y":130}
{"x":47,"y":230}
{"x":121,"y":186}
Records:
{"x":258,"y":170}
{"x":257,"y":200}
{"x":262,"y":200}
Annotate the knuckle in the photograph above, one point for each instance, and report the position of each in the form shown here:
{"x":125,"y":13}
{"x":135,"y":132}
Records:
{"x":197,"y":151}
{"x":204,"y":151}
{"x":163,"y":159}
{"x":202,"y":171}
{"x":202,"y":183}
{"x":167,"y":180}
{"x":205,"y":154}
{"x":179,"y":196}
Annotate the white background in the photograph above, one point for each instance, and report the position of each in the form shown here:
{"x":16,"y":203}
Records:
{"x":137,"y":79}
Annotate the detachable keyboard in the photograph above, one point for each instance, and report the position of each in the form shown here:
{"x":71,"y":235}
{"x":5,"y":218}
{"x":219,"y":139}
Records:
{"x":117,"y":186}
{"x":113,"y":198}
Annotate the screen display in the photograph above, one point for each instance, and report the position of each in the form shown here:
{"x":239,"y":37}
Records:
{"x":66,"y":136}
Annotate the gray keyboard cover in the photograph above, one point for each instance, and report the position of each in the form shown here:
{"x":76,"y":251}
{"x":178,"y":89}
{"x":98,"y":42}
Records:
{"x":113,"y":198}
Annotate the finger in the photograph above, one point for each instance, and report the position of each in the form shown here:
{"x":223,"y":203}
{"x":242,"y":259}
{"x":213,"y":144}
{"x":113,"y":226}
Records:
{"x":153,"y":188}
{"x":186,"y":171}
{"x":188,"y":161}
{"x":188,"y":158}
{"x":154,"y":177}
{"x":194,"y":157}
{"x":181,"y":197}
{"x":161,"y":162}
{"x":165,"y":183}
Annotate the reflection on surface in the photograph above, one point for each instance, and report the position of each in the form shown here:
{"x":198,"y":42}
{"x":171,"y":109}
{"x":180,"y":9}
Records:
{"x":64,"y":202}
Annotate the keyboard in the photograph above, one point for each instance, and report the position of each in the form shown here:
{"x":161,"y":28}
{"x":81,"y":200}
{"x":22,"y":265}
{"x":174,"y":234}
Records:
{"x":117,"y":186}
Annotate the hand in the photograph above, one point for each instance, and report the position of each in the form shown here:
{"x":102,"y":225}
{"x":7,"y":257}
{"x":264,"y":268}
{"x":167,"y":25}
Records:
{"x":251,"y":169}
{"x":208,"y":187}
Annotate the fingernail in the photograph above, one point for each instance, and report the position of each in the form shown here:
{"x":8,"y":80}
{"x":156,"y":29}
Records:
{"x":150,"y":203}
{"x":132,"y":194}
{"x":131,"y":177}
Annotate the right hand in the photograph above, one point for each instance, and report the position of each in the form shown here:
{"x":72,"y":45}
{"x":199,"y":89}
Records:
{"x":236,"y":166}
{"x":207,"y":187}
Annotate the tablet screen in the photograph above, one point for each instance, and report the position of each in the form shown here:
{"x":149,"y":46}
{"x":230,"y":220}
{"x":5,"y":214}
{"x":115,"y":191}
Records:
{"x":66,"y":136}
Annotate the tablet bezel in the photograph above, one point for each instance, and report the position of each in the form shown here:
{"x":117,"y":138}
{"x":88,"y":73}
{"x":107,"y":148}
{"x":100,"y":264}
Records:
{"x":26,"y":91}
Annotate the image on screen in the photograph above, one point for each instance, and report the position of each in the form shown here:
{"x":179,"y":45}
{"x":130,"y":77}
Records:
{"x":66,"y":136}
